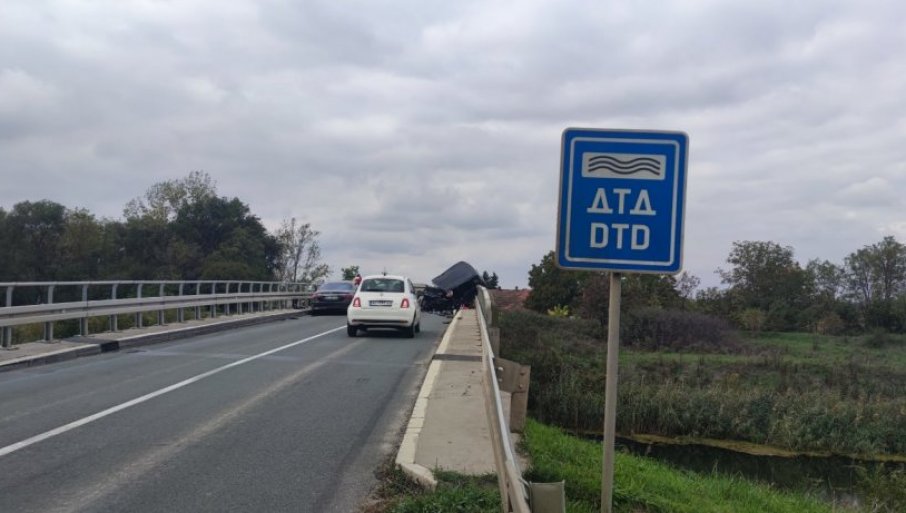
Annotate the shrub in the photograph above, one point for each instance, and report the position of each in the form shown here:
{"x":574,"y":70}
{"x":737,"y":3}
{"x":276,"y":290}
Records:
{"x":559,"y":311}
{"x":878,"y":338}
{"x":752,"y":319}
{"x":830,"y":324}
{"x":656,"y":328}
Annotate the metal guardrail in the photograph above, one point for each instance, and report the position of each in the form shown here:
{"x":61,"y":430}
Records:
{"x":513,"y":489}
{"x":171,"y":295}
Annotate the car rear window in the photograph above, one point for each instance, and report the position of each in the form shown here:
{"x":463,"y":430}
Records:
{"x":337,"y":287}
{"x":383,"y":285}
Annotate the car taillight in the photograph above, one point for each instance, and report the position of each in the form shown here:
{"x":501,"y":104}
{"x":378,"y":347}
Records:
{"x":357,"y":303}
{"x":404,"y":303}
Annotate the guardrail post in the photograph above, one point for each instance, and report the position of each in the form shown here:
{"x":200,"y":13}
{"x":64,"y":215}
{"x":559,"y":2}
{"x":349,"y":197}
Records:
{"x":514,"y":378}
{"x":197,"y":307}
{"x":181,"y":312}
{"x":214,"y":299}
{"x":138,"y":315}
{"x":548,"y":497}
{"x":48,"y":326}
{"x":160,"y":313}
{"x":6,"y":334}
{"x":113,"y":318}
{"x":226,"y":306}
{"x":260,"y":301}
{"x":83,"y":322}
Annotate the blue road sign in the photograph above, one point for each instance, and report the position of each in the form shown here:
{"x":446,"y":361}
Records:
{"x":622,"y":200}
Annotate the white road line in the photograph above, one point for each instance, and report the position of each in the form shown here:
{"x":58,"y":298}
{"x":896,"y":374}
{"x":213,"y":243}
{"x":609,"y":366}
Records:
{"x":138,"y":400}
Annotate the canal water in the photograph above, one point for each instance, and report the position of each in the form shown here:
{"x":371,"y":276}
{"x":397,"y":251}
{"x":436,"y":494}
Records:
{"x":833,"y":478}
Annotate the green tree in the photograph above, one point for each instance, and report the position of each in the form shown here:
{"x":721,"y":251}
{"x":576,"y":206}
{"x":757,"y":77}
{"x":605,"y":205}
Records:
{"x":825,"y":282}
{"x":33,"y":232}
{"x":714,"y":301}
{"x":752,"y":319}
{"x":552,"y":286}
{"x":491,"y":280}
{"x":6,"y":246}
{"x":350,"y":272}
{"x":220,"y":238}
{"x":299,"y":259}
{"x":638,"y":291}
{"x":686,"y":286}
{"x":828,"y":280}
{"x":163,"y":200}
{"x":143,"y":251}
{"x":875,"y":277}
{"x":80,"y":246}
{"x":154,"y":242}
{"x":765,"y":276}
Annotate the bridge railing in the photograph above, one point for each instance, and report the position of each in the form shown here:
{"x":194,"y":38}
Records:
{"x":113,"y":298}
{"x":513,"y":489}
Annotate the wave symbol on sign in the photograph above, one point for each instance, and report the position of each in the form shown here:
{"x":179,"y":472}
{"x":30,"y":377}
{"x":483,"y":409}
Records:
{"x":624,"y":167}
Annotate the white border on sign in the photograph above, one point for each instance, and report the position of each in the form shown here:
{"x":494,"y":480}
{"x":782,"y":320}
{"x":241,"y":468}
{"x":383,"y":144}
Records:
{"x":569,"y":200}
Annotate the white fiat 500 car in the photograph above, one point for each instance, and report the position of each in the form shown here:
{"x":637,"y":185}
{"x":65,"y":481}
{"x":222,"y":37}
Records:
{"x":384,"y":302}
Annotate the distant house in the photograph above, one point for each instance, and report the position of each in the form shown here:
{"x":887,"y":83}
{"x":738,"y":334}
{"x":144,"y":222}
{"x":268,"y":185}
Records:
{"x":509,"y":299}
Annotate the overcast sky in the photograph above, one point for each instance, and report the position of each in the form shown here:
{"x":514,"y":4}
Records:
{"x":416,"y":134}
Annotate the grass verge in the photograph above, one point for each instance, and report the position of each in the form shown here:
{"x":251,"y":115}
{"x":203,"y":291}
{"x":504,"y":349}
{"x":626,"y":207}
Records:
{"x":642,"y":485}
{"x":455,"y":493}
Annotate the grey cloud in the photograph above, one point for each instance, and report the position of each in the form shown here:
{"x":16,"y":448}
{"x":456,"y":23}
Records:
{"x":417,"y":134}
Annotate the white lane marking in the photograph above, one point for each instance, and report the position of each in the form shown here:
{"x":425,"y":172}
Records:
{"x":138,"y":400}
{"x":75,"y":498}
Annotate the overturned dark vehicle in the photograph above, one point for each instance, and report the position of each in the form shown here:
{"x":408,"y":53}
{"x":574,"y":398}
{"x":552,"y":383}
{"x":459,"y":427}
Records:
{"x":455,"y":287}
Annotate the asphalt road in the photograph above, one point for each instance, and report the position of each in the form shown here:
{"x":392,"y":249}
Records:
{"x":289,"y":416}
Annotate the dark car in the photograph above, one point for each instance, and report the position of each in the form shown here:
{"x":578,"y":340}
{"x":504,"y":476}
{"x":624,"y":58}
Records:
{"x":333,"y":296}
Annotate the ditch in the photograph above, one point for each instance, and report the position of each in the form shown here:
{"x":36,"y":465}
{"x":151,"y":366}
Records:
{"x":833,"y":478}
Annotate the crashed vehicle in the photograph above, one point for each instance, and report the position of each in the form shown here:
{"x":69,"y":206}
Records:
{"x":455,"y":287}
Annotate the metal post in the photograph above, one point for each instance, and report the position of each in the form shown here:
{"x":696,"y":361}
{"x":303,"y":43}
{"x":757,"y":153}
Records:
{"x":160,"y":313}
{"x":610,"y":392}
{"x":48,"y":326}
{"x":197,"y":292}
{"x":180,"y":312}
{"x":83,"y":322}
{"x":213,"y":305}
{"x":138,"y":315}
{"x":260,"y":301}
{"x":113,"y":319}
{"x":6,"y":335}
{"x":226,"y":306}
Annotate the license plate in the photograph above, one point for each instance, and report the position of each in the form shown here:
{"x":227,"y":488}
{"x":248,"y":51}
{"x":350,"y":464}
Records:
{"x":331,"y":298}
{"x":380,"y":302}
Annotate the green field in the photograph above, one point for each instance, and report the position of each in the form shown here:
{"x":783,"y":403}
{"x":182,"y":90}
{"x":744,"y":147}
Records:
{"x":799,"y":392}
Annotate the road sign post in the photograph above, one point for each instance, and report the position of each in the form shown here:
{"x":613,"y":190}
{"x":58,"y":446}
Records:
{"x":622,"y":204}
{"x":610,"y":391}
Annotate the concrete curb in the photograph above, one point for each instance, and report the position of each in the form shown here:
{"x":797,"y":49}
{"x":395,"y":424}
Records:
{"x":51,"y":357}
{"x":405,"y":457}
{"x":94,"y":346}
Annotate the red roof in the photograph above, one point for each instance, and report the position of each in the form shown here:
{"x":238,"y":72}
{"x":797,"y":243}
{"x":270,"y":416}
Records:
{"x":509,"y":299}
